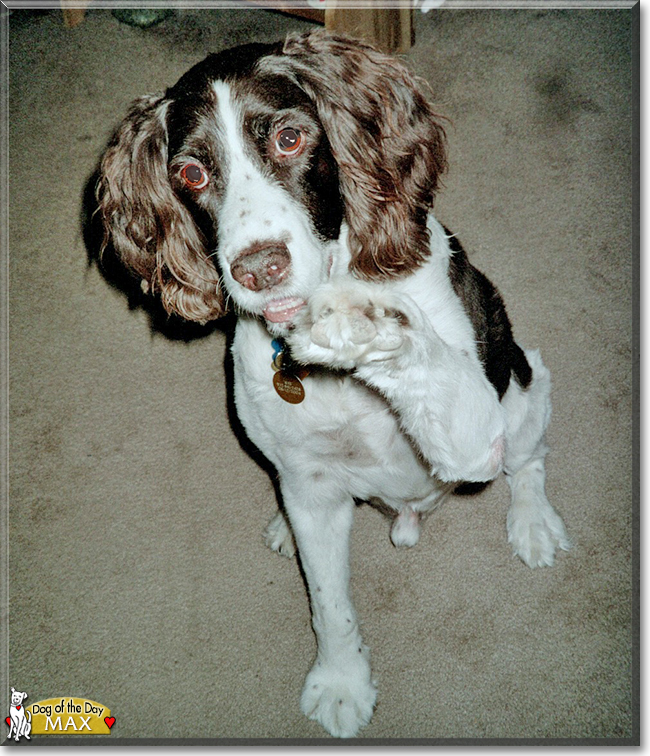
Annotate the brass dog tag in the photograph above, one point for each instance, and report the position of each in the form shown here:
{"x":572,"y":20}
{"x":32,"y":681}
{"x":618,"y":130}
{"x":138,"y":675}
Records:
{"x":289,"y":387}
{"x":287,"y":378}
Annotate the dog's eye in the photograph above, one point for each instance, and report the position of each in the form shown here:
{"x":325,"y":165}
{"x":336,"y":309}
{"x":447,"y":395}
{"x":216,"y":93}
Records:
{"x":195,"y":176}
{"x":289,"y":141}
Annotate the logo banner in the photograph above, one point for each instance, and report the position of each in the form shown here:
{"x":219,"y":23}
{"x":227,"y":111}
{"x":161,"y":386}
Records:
{"x":70,"y":716}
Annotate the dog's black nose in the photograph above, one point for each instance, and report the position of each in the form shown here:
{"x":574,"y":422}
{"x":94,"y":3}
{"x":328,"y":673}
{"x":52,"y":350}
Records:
{"x":262,"y":265}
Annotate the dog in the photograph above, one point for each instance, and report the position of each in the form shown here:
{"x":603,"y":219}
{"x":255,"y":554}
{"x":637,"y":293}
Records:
{"x":21,"y":720}
{"x":293,"y":184}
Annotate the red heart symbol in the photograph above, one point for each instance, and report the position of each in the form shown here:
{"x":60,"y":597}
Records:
{"x":110,"y":721}
{"x":17,"y":708}
{"x":8,"y":721}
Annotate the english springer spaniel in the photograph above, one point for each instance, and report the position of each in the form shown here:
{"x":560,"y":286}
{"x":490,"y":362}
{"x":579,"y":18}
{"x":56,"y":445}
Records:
{"x":293,"y":183}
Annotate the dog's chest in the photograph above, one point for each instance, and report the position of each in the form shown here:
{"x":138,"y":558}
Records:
{"x":339,"y":426}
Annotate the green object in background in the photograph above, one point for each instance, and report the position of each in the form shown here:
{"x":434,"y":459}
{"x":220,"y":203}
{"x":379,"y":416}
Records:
{"x":142,"y":17}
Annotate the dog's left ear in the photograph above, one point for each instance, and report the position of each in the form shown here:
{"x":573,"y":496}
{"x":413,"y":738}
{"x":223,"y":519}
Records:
{"x":387,"y":141}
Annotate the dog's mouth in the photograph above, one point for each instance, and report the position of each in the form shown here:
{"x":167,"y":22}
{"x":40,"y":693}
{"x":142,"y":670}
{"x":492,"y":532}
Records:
{"x":283,"y":310}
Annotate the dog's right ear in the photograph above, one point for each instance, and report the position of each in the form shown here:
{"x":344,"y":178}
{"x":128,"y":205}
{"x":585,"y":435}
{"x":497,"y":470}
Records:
{"x":149,"y":227}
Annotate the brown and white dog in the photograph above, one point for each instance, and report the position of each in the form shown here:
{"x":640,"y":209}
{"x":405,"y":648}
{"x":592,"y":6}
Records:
{"x":294,"y":183}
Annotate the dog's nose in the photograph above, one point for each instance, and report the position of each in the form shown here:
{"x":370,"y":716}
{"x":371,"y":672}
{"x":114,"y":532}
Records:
{"x":262,"y":265}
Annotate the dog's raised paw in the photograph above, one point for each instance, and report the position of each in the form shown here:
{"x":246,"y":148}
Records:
{"x":341,"y":701}
{"x":349,"y":324}
{"x":345,"y":325}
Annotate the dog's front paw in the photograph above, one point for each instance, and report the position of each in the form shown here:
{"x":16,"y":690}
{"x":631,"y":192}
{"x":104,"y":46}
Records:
{"x":347,"y":324}
{"x":340,"y":699}
{"x":536,"y":534}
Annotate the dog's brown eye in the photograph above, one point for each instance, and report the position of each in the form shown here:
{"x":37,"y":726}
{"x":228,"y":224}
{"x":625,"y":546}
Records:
{"x":289,"y":141}
{"x":195,"y":176}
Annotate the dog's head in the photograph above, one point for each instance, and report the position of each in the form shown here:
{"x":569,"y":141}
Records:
{"x":234,"y":184}
{"x":17,"y":697}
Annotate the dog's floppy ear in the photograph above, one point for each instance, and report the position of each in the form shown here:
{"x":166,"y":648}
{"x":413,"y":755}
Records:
{"x":387,"y":141}
{"x":151,"y":230}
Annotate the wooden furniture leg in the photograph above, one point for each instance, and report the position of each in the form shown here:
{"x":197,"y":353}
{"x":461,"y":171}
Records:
{"x":73,"y":12}
{"x":388,"y":29}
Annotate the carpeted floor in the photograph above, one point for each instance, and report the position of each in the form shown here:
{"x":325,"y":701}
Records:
{"x":138,"y":574}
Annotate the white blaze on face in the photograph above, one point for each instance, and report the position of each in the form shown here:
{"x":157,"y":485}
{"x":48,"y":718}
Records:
{"x":257,"y":208}
{"x":254,"y":207}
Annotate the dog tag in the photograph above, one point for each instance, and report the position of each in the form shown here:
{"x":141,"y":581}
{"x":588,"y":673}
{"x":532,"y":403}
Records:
{"x":289,"y":387}
{"x":288,"y":375}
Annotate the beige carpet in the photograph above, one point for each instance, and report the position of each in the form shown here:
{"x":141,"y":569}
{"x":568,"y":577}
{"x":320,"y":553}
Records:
{"x":138,"y":575}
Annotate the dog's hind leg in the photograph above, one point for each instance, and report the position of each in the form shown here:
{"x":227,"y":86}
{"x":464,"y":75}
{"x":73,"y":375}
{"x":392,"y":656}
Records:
{"x":535,"y":530}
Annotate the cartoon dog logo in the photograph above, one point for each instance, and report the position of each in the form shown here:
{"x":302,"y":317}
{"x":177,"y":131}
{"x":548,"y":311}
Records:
{"x":19,"y":720}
